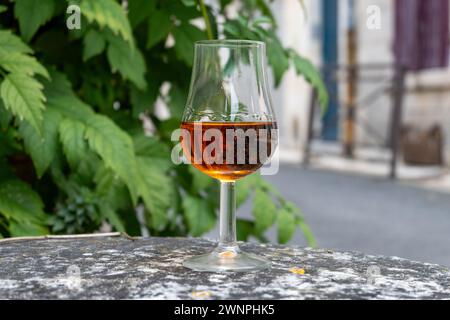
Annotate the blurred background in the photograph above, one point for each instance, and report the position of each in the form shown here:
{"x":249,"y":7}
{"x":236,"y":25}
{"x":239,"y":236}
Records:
{"x":372,"y":174}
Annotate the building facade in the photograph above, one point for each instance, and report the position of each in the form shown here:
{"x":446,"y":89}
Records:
{"x":427,"y":97}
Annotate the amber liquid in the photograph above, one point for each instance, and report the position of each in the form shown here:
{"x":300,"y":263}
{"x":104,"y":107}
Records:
{"x":245,"y":158}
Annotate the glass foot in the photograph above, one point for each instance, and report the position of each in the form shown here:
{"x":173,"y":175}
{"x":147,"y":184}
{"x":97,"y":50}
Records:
{"x":230,"y":259}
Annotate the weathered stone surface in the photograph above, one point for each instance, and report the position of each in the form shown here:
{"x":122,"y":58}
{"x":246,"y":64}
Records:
{"x":118,"y":268}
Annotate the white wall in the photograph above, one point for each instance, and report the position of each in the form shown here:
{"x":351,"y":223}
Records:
{"x":427,"y":101}
{"x":291,"y":99}
{"x":422,"y":107}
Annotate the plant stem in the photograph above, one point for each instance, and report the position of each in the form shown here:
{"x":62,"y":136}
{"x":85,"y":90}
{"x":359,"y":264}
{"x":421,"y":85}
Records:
{"x":206,"y":18}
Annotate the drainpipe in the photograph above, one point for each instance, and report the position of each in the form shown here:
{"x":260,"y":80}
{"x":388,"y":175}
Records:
{"x":352,"y":84}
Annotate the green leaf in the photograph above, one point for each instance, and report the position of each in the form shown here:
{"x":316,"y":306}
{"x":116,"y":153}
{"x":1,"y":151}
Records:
{"x":300,"y":221}
{"x":143,"y":101}
{"x":244,"y":229}
{"x":245,"y":186}
{"x":42,"y":149}
{"x":32,"y":14}
{"x":20,"y":63}
{"x":108,"y":13}
{"x":111,"y":190}
{"x":181,"y":11}
{"x":3,"y":9}
{"x":10,"y":43}
{"x":105,"y":138}
{"x":262,"y":20}
{"x":5,"y":116}
{"x":156,"y":190}
{"x":138,"y":10}
{"x":22,"y":95}
{"x":127,"y":60}
{"x":20,"y":203}
{"x":154,"y":149}
{"x":115,"y":147}
{"x":70,"y":106}
{"x":231,"y":29}
{"x":264,"y":210}
{"x":177,"y":101}
{"x":27,"y":228}
{"x":149,"y":146}
{"x":200,"y":215}
{"x":305,"y":68}
{"x":61,"y":98}
{"x":94,"y":44}
{"x":159,"y":25}
{"x":8,"y":147}
{"x":286,"y":225}
{"x":240,"y":29}
{"x":58,"y":86}
{"x":265,"y":10}
{"x":185,"y":36}
{"x":200,"y":181}
{"x":72,"y":138}
{"x":277,"y":59}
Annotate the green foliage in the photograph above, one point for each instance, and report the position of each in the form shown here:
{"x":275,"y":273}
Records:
{"x":22,"y":208}
{"x":74,"y":154}
{"x":9,"y":44}
{"x":42,"y":149}
{"x":269,"y":208}
{"x":127,"y":60}
{"x":264,"y":211}
{"x":304,"y":67}
{"x":32,"y":14}
{"x":157,"y":191}
{"x":18,"y":63}
{"x":199,"y":214}
{"x":73,"y":141}
{"x":77,"y":214}
{"x":184,"y":38}
{"x":159,"y":26}
{"x":22,"y":95}
{"x":20,"y":91}
{"x":286,"y":225}
{"x":107,"y":13}
{"x":94,"y":44}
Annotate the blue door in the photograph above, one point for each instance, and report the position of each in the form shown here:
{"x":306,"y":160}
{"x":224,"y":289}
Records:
{"x":330,"y":120}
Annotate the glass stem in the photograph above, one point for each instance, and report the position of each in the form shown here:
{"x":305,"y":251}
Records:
{"x":227,"y":215}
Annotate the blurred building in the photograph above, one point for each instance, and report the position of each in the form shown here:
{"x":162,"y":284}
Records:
{"x":321,"y":34}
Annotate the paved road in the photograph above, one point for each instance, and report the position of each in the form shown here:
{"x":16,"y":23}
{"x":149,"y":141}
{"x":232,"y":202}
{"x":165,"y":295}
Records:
{"x":372,"y":215}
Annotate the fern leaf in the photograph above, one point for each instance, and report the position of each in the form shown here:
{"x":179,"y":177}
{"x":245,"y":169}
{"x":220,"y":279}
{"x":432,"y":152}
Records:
{"x":22,"y":96}
{"x":32,"y":14}
{"x":20,"y":204}
{"x":10,"y":43}
{"x":94,"y":44}
{"x":20,"y":63}
{"x":127,"y":60}
{"x":108,"y":13}
{"x":155,"y":187}
{"x":115,"y":147}
{"x":305,"y":68}
{"x":73,"y":141}
{"x":42,"y":149}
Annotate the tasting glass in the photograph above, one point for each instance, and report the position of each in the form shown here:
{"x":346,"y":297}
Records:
{"x":229,"y":107}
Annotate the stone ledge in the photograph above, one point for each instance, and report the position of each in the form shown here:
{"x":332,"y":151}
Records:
{"x":150,"y":268}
